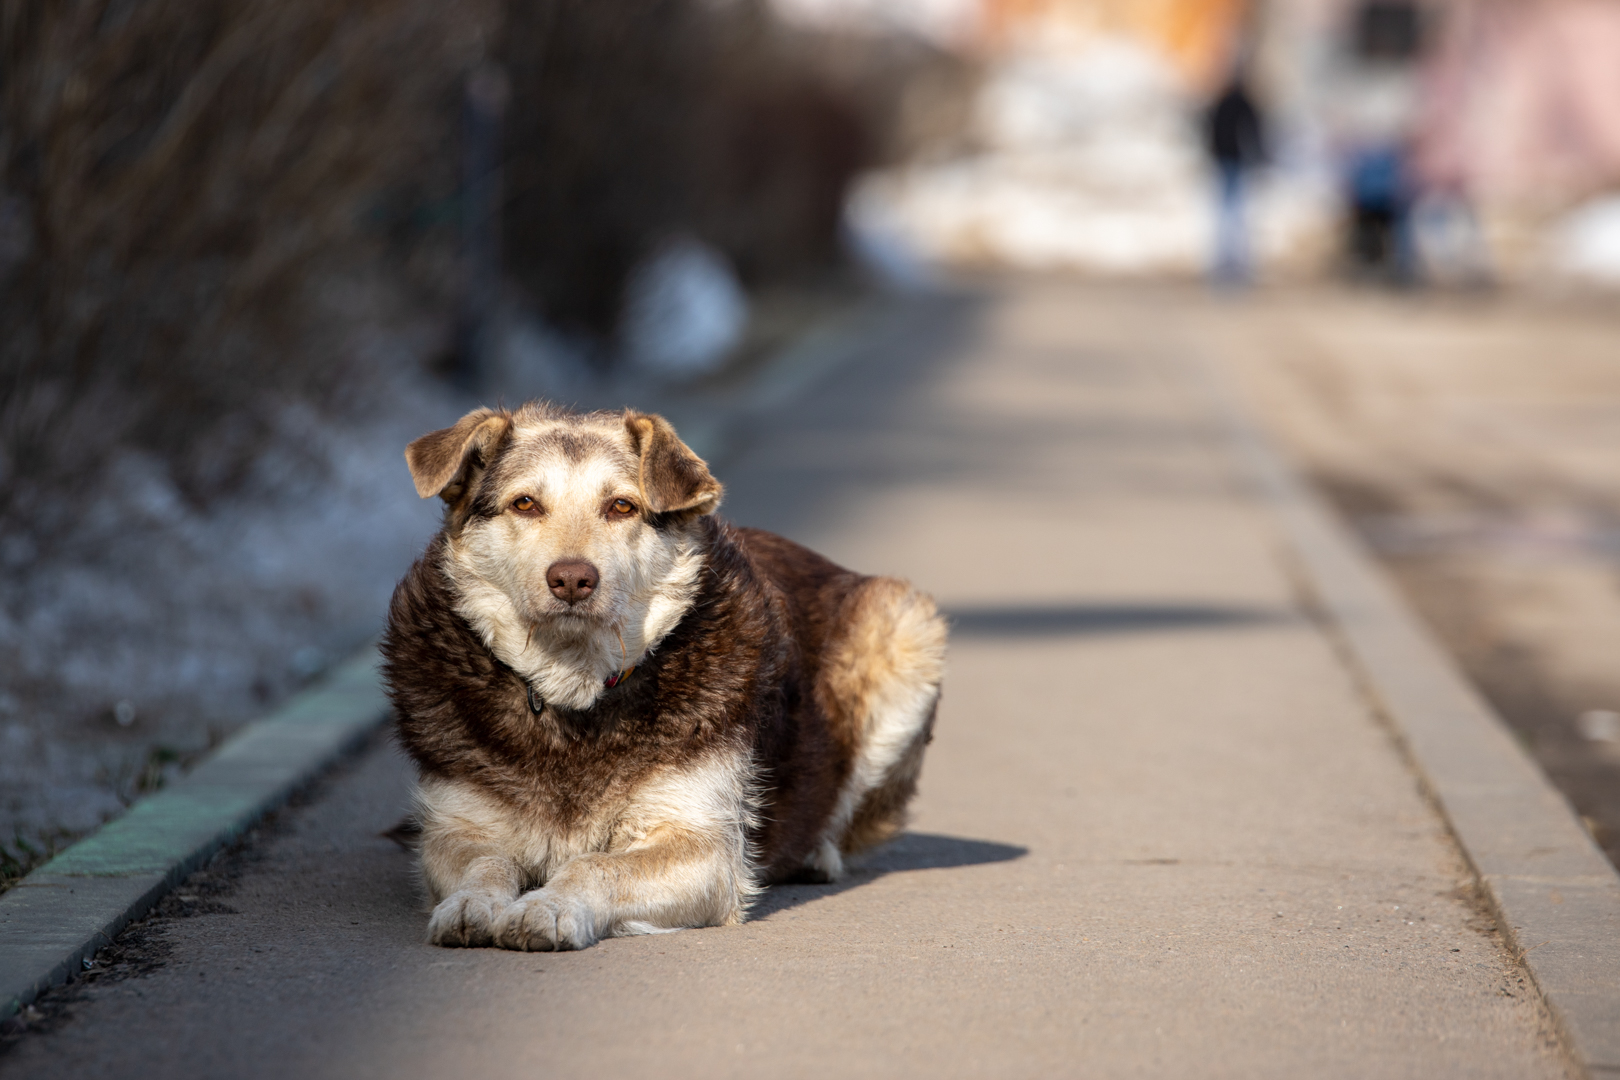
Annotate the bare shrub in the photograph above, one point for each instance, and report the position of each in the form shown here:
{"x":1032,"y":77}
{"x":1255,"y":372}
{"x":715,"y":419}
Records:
{"x":634,"y":120}
{"x":209,"y":209}
{"x":184,"y":178}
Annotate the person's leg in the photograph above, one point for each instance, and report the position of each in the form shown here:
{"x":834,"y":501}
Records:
{"x":1231,"y":240}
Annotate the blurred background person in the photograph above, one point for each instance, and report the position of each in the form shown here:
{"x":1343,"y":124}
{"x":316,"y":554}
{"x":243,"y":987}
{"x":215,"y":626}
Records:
{"x":1236,"y":141}
{"x":1380,"y":200}
{"x":1377,"y":96}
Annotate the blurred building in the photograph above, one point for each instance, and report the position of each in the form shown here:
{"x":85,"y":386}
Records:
{"x":1196,"y":37}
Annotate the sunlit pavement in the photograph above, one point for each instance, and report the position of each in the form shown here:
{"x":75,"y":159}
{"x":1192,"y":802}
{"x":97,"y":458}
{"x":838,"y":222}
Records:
{"x":1159,"y":832}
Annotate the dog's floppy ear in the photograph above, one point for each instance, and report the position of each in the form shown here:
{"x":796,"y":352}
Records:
{"x":440,"y":460}
{"x":673,"y":479}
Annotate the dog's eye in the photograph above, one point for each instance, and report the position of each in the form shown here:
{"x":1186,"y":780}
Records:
{"x":623,"y":506}
{"x":524,"y":504}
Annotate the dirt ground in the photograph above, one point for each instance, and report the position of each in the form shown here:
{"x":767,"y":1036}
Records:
{"x":1474,"y":443}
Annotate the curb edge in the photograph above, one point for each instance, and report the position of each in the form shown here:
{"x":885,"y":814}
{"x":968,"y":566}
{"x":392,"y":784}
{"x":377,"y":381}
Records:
{"x":1555,"y":895}
{"x":63,"y":912}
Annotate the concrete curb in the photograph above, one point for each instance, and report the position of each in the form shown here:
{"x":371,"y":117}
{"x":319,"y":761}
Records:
{"x":57,"y":917}
{"x":1556,"y":897}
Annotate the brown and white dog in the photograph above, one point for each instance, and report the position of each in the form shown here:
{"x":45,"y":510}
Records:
{"x":628,"y":716}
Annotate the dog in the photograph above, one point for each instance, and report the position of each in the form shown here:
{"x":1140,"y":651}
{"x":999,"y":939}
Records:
{"x":629,"y":716}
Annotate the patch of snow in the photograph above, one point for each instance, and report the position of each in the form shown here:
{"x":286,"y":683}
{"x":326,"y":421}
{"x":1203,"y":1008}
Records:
{"x":943,"y":22}
{"x":684,"y":311}
{"x":1089,"y":161}
{"x":1450,"y":241}
{"x":1586,"y":243}
{"x":1091,"y":158}
{"x":167,"y":625}
{"x":875,"y":242}
{"x":1111,"y":92}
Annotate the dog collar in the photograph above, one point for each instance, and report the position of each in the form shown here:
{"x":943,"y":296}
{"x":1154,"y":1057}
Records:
{"x":537,"y":704}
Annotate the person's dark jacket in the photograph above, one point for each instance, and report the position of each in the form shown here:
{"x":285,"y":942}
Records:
{"x":1236,"y":134}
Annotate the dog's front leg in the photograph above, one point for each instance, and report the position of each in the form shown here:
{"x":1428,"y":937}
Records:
{"x":475,"y":889}
{"x":673,"y":878}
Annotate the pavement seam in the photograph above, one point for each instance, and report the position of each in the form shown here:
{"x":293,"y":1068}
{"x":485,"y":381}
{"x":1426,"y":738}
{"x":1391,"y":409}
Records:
{"x":1556,"y":897}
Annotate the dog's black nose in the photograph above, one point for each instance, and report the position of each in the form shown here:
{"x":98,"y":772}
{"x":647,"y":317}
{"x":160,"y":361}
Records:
{"x":572,"y":582}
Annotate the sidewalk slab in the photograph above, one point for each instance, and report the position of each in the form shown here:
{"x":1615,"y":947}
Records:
{"x":1555,"y":894}
{"x":1160,"y":830}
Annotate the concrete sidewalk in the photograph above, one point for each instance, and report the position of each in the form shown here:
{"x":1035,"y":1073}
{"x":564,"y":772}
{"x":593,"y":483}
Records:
{"x":1160,"y":833}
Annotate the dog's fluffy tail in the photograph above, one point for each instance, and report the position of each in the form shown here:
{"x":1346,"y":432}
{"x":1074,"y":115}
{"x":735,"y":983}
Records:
{"x":887,"y":673}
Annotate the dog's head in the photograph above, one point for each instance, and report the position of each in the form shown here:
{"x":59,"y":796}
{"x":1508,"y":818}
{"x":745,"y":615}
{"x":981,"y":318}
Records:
{"x":578,"y":520}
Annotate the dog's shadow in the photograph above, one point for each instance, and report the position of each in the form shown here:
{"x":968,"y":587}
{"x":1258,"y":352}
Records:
{"x":909,"y":851}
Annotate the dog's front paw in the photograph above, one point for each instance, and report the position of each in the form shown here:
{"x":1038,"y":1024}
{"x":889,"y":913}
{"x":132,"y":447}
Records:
{"x":543,"y":921}
{"x":466,"y":919}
